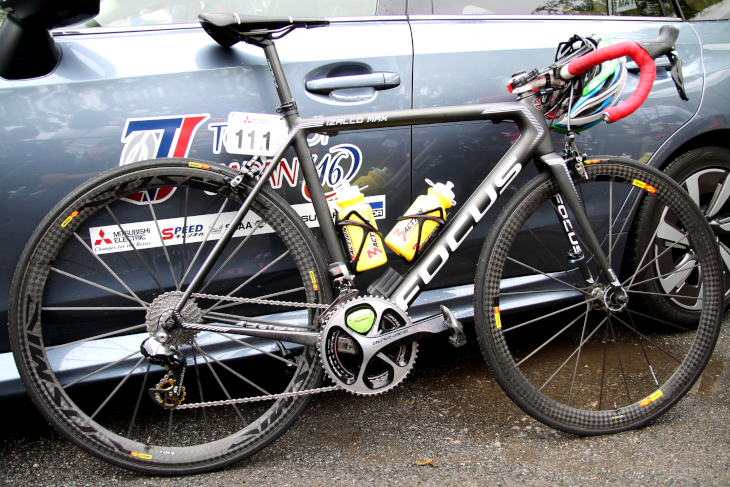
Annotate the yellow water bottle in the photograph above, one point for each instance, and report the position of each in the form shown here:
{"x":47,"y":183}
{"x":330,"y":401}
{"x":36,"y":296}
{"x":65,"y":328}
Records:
{"x":357,"y":225}
{"x":414,"y":229}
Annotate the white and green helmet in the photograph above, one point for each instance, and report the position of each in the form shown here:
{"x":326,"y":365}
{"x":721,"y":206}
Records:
{"x":602,"y":88}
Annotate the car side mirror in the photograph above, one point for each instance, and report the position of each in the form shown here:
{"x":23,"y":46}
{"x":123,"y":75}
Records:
{"x":27,"y":48}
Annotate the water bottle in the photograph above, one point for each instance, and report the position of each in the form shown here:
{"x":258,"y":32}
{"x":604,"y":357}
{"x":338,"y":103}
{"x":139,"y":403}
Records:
{"x":359,"y":231}
{"x":414,"y":229}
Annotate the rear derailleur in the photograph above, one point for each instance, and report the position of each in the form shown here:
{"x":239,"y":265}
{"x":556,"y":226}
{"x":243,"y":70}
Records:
{"x":169,"y":392}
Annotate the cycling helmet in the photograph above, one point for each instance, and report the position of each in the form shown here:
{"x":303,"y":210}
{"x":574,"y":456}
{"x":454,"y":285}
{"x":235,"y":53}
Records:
{"x":580,"y":104}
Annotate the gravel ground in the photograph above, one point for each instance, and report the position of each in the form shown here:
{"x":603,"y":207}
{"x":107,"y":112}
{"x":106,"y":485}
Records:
{"x":449,"y":424}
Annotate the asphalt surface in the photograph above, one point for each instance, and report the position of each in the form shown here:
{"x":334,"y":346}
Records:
{"x":449,"y":424}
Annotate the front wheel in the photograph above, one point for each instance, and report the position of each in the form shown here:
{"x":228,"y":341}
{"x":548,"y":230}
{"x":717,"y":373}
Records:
{"x":585,"y":363}
{"x":99,"y":274}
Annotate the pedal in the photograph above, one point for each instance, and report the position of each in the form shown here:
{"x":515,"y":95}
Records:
{"x":385,"y":284}
{"x":457,"y":338}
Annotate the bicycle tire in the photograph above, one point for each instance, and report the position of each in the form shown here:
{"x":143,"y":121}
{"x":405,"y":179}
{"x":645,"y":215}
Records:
{"x":611,"y":368}
{"x":81,"y":274}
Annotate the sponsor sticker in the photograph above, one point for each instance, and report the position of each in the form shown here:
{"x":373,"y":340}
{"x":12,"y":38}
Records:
{"x":141,"y":455}
{"x":314,"y":281}
{"x":644,"y":186}
{"x":497,"y":317}
{"x":69,"y":218}
{"x":196,"y":228}
{"x":652,"y":398}
{"x":198,"y":165}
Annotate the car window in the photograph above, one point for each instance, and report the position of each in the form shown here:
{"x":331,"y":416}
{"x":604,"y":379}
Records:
{"x":155,"y":12}
{"x":644,"y":8}
{"x":705,"y":9}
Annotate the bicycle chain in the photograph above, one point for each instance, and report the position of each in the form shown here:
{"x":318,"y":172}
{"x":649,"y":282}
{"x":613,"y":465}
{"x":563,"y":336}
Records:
{"x":229,"y":402}
{"x":260,"y":301}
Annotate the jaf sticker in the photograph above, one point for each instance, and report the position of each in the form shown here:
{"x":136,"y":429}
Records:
{"x":644,"y":186}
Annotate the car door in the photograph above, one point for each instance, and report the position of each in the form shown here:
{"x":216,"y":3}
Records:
{"x":141,"y":81}
{"x":466,"y":51}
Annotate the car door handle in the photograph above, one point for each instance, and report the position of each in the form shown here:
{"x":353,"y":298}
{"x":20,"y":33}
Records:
{"x":662,"y":62}
{"x":379,"y":81}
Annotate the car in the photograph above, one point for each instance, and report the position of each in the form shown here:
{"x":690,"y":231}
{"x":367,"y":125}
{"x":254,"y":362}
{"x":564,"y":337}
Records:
{"x":141,"y":79}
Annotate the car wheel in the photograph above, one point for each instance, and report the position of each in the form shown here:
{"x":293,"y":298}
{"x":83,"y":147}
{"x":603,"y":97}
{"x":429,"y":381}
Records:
{"x":705,"y":174}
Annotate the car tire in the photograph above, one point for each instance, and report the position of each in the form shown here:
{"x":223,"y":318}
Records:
{"x":705,"y":174}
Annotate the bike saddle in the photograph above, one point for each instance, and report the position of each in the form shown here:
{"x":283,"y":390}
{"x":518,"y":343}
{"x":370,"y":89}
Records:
{"x":228,"y":29}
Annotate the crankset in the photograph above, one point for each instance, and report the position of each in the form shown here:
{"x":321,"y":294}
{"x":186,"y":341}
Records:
{"x":368,"y":345}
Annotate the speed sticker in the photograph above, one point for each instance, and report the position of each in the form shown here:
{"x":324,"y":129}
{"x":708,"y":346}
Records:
{"x":255,"y":134}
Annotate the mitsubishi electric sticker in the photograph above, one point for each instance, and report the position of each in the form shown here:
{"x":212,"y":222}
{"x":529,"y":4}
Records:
{"x":154,"y":137}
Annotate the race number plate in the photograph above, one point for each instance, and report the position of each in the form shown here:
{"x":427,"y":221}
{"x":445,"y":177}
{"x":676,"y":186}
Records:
{"x":255,"y":134}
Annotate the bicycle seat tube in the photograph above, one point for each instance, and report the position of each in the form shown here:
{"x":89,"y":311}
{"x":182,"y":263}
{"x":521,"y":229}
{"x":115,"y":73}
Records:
{"x":289,"y":111}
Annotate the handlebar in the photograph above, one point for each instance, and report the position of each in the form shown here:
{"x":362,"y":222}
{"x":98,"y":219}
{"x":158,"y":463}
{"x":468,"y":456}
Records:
{"x":643,"y":53}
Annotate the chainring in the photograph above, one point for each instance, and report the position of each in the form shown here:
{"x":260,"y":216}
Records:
{"x":356,"y":360}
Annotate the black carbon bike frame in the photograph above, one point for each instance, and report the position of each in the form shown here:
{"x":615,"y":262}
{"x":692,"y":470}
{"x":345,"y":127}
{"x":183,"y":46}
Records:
{"x":534,"y":143}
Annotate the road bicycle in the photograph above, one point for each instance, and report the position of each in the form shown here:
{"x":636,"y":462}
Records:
{"x":205,"y":314}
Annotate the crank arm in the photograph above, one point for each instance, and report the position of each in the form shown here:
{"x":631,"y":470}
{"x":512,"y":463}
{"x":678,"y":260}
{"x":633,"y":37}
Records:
{"x":401,"y":336}
{"x":260,"y":329}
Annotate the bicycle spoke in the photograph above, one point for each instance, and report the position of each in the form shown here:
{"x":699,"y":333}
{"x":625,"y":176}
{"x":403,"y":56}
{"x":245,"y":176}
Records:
{"x":549,"y":253}
{"x":618,"y":354}
{"x":139,"y":400}
{"x":643,"y":350}
{"x":134,"y":248}
{"x":99,"y":286}
{"x":218,"y":380}
{"x":652,"y":342}
{"x":577,"y":359}
{"x":202,"y":397}
{"x":162,"y":240}
{"x":97,"y":337}
{"x":105,"y":367}
{"x":512,"y":328}
{"x":247,"y":381}
{"x":274,"y":356}
{"x":548,"y":275}
{"x":205,"y":240}
{"x":674,"y":296}
{"x":185,"y":238}
{"x":233,"y":254}
{"x":114,"y":274}
{"x":261,"y":271}
{"x":551,"y":338}
{"x":121,"y":383}
{"x":580,"y":345}
{"x":664,"y":322}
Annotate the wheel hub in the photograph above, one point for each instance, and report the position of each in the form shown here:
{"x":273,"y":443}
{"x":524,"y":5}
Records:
{"x":160,"y":322}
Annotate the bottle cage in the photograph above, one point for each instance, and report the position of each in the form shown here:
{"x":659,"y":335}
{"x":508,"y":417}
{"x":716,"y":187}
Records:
{"x":421,"y":218}
{"x":341,"y":224}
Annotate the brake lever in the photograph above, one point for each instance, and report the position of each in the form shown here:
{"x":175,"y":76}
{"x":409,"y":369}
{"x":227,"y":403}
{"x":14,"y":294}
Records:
{"x":677,"y":75}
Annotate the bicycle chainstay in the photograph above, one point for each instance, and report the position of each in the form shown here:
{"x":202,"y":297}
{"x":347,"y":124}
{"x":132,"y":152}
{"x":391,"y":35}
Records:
{"x":272,"y":397}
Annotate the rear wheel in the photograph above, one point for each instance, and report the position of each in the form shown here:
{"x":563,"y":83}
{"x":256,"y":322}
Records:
{"x":589,"y":364}
{"x":94,"y":282}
